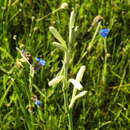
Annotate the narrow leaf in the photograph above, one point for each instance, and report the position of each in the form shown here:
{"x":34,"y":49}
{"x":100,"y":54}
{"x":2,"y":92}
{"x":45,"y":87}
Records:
{"x":59,"y":46}
{"x":57,"y":35}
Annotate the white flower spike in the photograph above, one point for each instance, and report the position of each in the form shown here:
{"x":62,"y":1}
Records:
{"x":76,"y":84}
{"x":80,"y":73}
{"x":56,"y":80}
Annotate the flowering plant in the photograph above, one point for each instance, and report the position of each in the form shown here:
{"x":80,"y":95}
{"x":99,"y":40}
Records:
{"x":104,"y":32}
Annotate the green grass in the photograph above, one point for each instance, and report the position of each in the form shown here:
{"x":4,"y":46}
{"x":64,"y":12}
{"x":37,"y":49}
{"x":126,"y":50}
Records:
{"x":106,"y":106}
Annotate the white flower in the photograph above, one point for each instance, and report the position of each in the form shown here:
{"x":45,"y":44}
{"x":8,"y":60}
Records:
{"x":76,"y":84}
{"x":81,"y":94}
{"x":56,"y":80}
{"x":80,"y":73}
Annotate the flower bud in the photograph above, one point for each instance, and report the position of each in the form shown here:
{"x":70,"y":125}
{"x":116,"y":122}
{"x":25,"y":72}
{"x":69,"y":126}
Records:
{"x":64,"y":5}
{"x":96,"y":20}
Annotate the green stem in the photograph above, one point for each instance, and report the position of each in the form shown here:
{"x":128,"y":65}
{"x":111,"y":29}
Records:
{"x":65,"y":82}
{"x":105,"y":64}
{"x":91,"y":43}
{"x":70,"y":119}
{"x":31,"y":75}
{"x":105,"y":45}
{"x":65,"y":86}
{"x":93,"y":38}
{"x":40,"y":19}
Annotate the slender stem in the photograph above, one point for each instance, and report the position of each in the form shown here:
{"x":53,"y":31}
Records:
{"x":40,"y":19}
{"x":105,"y":45}
{"x":70,"y":119}
{"x":74,"y":92}
{"x":31,"y":75}
{"x":65,"y":81}
{"x":105,"y":64}
{"x":91,"y":43}
{"x":65,"y":85}
{"x":93,"y":38}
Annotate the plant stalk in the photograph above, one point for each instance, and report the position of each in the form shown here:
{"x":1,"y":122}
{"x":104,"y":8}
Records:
{"x":91,"y":43}
{"x":65,"y":86}
{"x":105,"y":64}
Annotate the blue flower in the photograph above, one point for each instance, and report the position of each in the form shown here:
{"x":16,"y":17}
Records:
{"x":37,"y":103}
{"x":40,"y":61}
{"x":104,"y":32}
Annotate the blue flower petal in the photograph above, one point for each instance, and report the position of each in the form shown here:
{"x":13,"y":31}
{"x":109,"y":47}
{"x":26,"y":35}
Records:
{"x":104,"y":32}
{"x":40,"y":61}
{"x":37,"y":103}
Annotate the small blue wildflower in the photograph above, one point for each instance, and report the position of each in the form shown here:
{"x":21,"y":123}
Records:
{"x":37,"y":103}
{"x":104,"y":32}
{"x":40,"y":61}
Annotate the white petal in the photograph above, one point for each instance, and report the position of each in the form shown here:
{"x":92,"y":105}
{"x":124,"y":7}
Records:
{"x":80,"y":73}
{"x":56,"y":80}
{"x":76,"y":84}
{"x":81,"y":94}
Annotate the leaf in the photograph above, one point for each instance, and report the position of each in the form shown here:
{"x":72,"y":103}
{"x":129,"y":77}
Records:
{"x":57,"y":35}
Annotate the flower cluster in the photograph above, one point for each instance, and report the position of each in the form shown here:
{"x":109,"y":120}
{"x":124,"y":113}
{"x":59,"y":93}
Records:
{"x":40,"y":61}
{"x":27,"y":57}
{"x":76,"y":83}
{"x":36,"y":101}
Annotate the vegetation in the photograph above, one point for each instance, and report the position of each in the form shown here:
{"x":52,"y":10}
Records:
{"x":38,"y":38}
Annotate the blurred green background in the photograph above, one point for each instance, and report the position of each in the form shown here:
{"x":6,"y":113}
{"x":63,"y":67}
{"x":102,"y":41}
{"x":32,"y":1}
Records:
{"x":104,"y":108}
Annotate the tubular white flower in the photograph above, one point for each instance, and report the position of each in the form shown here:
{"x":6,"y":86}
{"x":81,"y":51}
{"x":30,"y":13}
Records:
{"x":56,"y":80}
{"x":80,"y":73}
{"x":81,"y":94}
{"x":76,"y":84}
{"x":73,"y":100}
